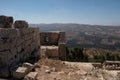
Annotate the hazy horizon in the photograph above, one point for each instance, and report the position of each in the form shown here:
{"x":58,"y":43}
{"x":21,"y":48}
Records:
{"x":74,"y":23}
{"x":93,"y":12}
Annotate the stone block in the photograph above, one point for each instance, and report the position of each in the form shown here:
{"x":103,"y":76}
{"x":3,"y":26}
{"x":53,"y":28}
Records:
{"x":50,"y":51}
{"x":31,"y":76}
{"x":62,"y":51}
{"x":6,"y":22}
{"x":62,"y":37}
{"x":20,"y":72}
{"x":49,"y":38}
{"x":37,"y":65}
{"x":29,"y":66}
{"x":20,"y":24}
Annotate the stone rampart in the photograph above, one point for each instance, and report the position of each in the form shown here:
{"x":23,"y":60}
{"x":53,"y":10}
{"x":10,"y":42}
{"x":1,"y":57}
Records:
{"x":53,"y":44}
{"x":6,"y":22}
{"x":16,"y":46}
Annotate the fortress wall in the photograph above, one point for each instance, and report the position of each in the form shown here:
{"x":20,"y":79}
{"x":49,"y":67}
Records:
{"x":62,"y":38}
{"x":49,"y":38}
{"x":62,"y":51}
{"x":62,"y":46}
{"x":6,"y":21}
{"x":17,"y":44}
{"x":54,"y":44}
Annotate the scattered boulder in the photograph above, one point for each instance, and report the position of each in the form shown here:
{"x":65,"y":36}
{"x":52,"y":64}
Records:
{"x":48,"y":71}
{"x":28,"y":65}
{"x":46,"y":67}
{"x":53,"y":69}
{"x":20,"y":24}
{"x":37,"y":65}
{"x":20,"y":72}
{"x":31,"y":76}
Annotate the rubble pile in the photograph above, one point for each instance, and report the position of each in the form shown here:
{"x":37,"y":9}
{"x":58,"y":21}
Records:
{"x":63,"y":70}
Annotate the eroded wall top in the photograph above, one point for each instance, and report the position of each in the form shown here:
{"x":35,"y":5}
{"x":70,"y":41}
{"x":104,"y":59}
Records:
{"x":6,"y":21}
{"x":18,"y":43}
{"x":52,"y":38}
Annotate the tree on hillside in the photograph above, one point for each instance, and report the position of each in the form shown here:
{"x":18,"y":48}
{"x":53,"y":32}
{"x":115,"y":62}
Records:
{"x":76,"y":54}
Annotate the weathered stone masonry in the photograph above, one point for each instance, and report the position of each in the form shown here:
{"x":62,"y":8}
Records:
{"x":17,"y":43}
{"x":53,"y":44}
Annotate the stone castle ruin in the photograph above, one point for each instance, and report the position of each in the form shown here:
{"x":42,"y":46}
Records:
{"x":19,"y":43}
{"x":53,"y":44}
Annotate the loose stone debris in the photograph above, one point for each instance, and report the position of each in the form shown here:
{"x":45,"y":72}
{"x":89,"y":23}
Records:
{"x":31,"y":76}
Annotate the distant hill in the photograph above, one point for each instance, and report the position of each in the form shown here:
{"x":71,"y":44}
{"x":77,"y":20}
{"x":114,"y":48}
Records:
{"x":88,"y":36}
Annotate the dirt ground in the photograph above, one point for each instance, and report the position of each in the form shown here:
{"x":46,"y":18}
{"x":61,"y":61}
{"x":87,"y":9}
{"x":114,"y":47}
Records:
{"x":63,"y":70}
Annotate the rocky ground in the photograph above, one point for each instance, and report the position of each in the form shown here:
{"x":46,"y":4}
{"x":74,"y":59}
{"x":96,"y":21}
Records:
{"x":63,"y":70}
{"x":48,"y":69}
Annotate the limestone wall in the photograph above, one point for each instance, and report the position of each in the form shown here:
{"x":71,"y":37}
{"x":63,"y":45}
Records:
{"x":62,"y":51}
{"x":62,"y":38}
{"x":49,"y":52}
{"x":54,"y":44}
{"x":52,"y":38}
{"x":49,"y":38}
{"x":17,"y":45}
{"x":20,"y":24}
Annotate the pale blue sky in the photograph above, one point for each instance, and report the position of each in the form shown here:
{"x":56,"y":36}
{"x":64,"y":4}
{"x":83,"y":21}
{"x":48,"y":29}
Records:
{"x":101,"y":12}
